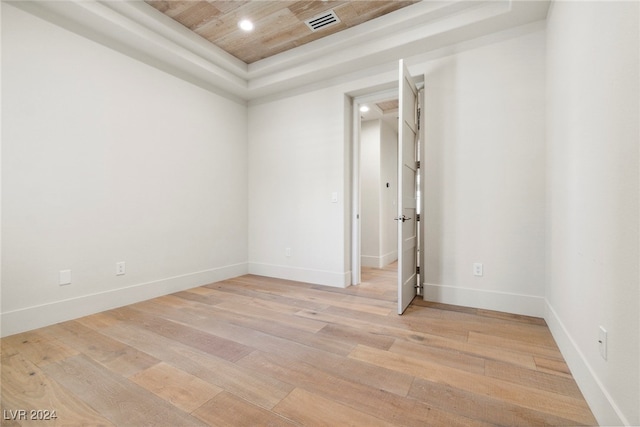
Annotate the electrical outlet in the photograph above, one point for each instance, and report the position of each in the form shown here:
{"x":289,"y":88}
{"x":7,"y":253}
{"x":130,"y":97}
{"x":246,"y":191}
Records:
{"x":120,"y":268}
{"x":477,"y":269}
{"x":602,"y":342}
{"x":287,"y":252}
{"x":64,"y":277}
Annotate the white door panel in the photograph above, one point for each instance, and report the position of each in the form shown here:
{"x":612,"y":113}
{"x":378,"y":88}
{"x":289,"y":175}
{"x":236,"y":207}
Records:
{"x":407,"y":195}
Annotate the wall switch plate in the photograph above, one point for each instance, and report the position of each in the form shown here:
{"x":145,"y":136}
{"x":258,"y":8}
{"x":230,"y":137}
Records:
{"x":64,"y":277}
{"x":287,"y":251}
{"x":477,"y":269}
{"x":334,"y":197}
{"x":602,"y":342}
{"x":120,"y":268}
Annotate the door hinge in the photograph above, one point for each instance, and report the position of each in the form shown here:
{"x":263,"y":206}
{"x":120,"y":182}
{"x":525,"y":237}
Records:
{"x":418,"y":270}
{"x":418,"y":118}
{"x":418,"y":288}
{"x":418,"y":217}
{"x":418,"y":164}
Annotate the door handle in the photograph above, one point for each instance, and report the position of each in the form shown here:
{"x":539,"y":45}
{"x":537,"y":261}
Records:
{"x":402,"y":218}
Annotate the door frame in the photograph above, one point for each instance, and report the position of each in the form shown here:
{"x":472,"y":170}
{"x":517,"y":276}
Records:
{"x":375,"y":94}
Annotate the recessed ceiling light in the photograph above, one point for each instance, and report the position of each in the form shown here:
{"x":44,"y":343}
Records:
{"x":245,"y":25}
{"x":364,"y":109}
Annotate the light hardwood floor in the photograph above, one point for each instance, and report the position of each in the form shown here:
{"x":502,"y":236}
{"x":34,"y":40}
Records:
{"x":258,"y":351}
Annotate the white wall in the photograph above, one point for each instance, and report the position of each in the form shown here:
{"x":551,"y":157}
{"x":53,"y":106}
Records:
{"x":105,"y":159}
{"x":592,"y":187}
{"x":484,"y":173}
{"x":370,"y":192}
{"x":296,"y":161}
{"x":388,"y":195}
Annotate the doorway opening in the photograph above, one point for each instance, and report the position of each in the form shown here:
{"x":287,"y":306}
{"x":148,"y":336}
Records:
{"x":407,"y":186}
{"x":375,"y":190}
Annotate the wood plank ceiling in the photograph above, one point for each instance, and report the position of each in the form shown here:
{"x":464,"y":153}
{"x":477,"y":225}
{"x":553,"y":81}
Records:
{"x":279,"y":25}
{"x":387,"y":106}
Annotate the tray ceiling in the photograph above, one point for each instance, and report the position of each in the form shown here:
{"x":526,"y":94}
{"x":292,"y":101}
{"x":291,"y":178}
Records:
{"x":279,"y":25}
{"x":390,"y":30}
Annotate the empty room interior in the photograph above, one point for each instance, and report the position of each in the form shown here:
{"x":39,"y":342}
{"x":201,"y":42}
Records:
{"x":207,"y":221}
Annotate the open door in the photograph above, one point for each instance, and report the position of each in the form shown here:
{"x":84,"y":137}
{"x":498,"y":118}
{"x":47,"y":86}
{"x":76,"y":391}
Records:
{"x":407,"y":188}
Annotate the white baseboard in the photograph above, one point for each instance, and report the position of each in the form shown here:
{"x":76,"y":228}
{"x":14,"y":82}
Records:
{"x":602,"y":405}
{"x":317,"y":277}
{"x":378,"y":261}
{"x":29,"y":318}
{"x":389,"y":258}
{"x":527,"y":305}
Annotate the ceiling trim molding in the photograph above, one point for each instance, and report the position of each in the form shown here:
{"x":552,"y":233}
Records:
{"x":139,"y":30}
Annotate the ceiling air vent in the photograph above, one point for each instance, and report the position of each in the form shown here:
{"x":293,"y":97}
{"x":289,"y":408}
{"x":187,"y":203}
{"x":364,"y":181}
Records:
{"x":323,"y":20}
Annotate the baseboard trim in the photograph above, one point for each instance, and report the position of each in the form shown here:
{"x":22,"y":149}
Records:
{"x":34,"y":317}
{"x":600,"y":401}
{"x":378,"y":261}
{"x":528,"y":305}
{"x":317,"y":277}
{"x":389,"y":258}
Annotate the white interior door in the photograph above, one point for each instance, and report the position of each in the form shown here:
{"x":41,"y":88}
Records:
{"x":407,"y":194}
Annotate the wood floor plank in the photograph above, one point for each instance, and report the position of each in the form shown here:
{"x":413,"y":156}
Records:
{"x":406,"y":322}
{"x":306,"y":408}
{"x":446,"y":357}
{"x":495,"y":327}
{"x":356,"y":335}
{"x":249,"y":330}
{"x":448,"y":308}
{"x":118,"y":357}
{"x":498,"y":316}
{"x":510,"y":327}
{"x":481,"y":407}
{"x":309,"y":325}
{"x":215,"y":345}
{"x":533,"y":378}
{"x":322,"y":358}
{"x":227,"y":410}
{"x":477,"y":312}
{"x":553,"y":366}
{"x":97,"y":321}
{"x":308,"y":293}
{"x":224,"y":289}
{"x":117,"y":399}
{"x":558,"y":405}
{"x":420,"y":337}
{"x":25,"y":386}
{"x":512,"y":317}
{"x":200,"y":290}
{"x":39,"y":348}
{"x":262,"y":390}
{"x":274,"y":344}
{"x":382,"y":404}
{"x":177,"y":387}
{"x":200,"y":297}
{"x":517,"y":345}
